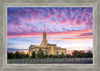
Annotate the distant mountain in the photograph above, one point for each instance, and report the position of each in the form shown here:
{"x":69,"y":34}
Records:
{"x":14,"y":50}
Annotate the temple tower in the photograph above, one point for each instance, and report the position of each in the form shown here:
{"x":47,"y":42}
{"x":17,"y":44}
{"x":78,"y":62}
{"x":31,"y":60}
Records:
{"x":44,"y":41}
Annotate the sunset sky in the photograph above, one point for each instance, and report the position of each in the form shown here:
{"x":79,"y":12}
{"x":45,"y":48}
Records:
{"x":68,"y":27}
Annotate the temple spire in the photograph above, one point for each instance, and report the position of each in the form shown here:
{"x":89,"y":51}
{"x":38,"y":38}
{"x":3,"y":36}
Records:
{"x":44,"y":41}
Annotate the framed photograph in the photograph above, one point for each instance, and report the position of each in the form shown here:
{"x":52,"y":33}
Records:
{"x":49,"y":35}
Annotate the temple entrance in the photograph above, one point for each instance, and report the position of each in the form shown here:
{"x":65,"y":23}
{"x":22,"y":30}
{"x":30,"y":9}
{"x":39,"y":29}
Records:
{"x":52,"y":50}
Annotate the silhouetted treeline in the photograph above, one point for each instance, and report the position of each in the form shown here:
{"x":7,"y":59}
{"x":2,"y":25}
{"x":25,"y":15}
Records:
{"x":81,"y":54}
{"x":17,"y":55}
{"x":40,"y":54}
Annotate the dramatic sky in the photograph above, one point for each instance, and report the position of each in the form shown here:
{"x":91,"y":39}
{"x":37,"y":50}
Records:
{"x":68,"y":27}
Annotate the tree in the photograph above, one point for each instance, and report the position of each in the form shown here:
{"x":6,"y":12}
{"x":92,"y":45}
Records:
{"x":40,"y":53}
{"x":10,"y":55}
{"x":17,"y":55}
{"x":74,"y":53}
{"x":22,"y":55}
{"x":55,"y":56}
{"x":46,"y":56}
{"x":33,"y":55}
{"x":82,"y":54}
{"x":59,"y":56}
{"x":27,"y":55}
{"x":62,"y":55}
{"x":50,"y":56}
{"x":89,"y":54}
{"x":68,"y":56}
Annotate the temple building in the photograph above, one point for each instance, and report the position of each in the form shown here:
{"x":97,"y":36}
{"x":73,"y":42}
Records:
{"x":46,"y":47}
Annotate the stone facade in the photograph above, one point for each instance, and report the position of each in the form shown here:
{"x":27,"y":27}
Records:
{"x":46,"y":47}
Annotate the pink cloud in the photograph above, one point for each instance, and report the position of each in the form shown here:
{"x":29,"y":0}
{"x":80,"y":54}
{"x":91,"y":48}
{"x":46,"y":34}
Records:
{"x":68,"y":33}
{"x":20,"y":10}
{"x":28,"y":9}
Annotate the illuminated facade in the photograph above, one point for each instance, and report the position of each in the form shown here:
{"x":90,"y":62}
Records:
{"x":47,"y":48}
